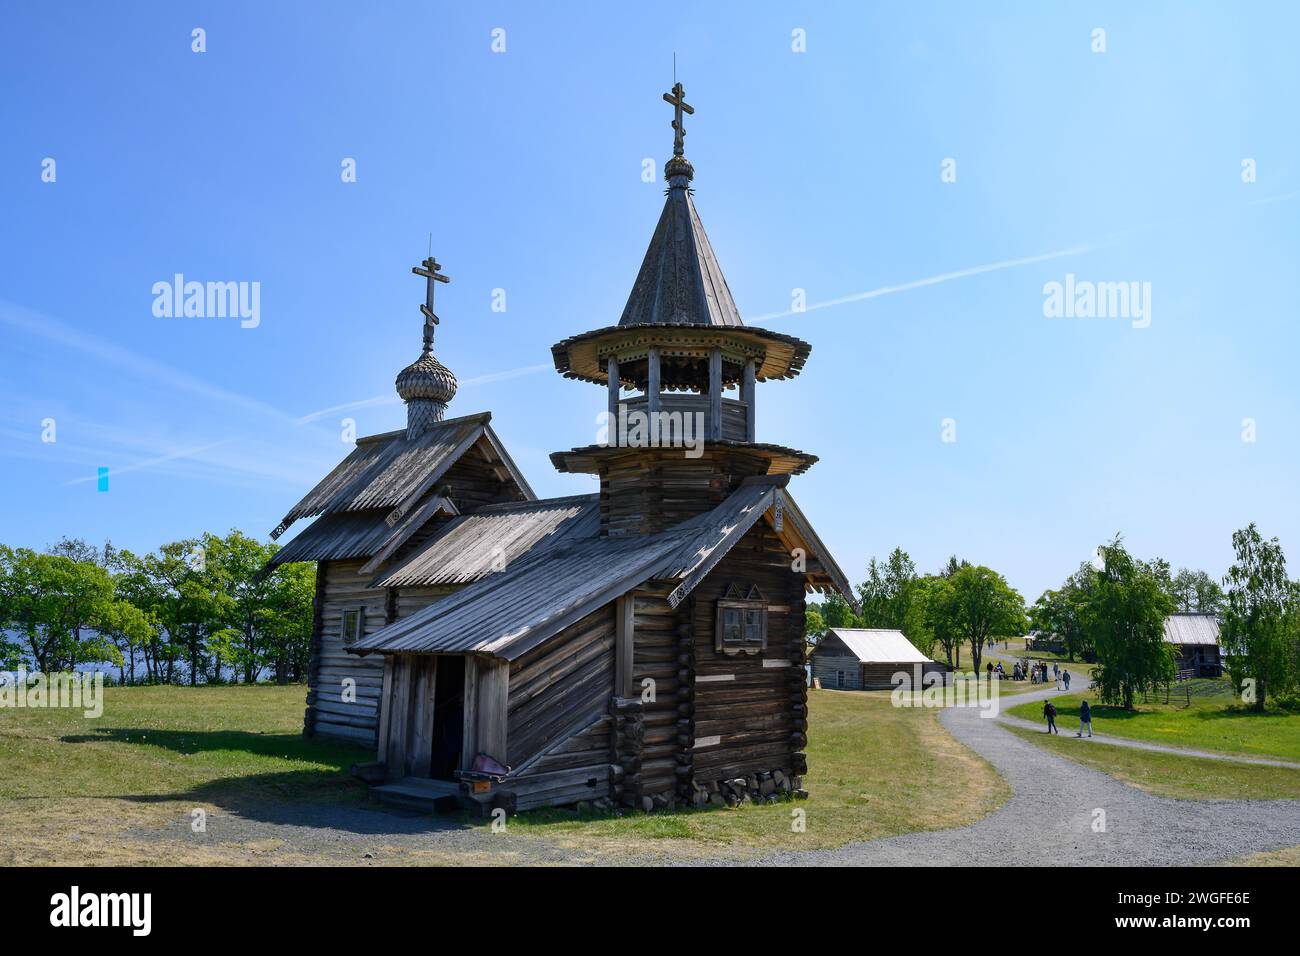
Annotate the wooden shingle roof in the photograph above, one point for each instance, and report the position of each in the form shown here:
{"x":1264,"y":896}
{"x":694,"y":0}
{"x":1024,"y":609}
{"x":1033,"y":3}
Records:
{"x":473,"y":546}
{"x":390,"y":471}
{"x":1192,"y":628}
{"x":507,"y":613}
{"x":680,"y":281}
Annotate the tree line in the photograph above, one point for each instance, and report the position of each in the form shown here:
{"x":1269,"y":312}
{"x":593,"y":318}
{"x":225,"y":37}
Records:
{"x":194,"y":611}
{"x":962,"y":605}
{"x":1114,"y":611}
{"x":1111,"y":611}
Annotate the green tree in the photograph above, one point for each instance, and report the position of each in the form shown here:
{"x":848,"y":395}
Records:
{"x":289,"y":622}
{"x":55,"y":603}
{"x":1060,"y":612}
{"x":242,"y":599}
{"x":886,"y":595}
{"x":836,"y":612}
{"x":979,"y":606}
{"x":1196,"y":591}
{"x":940,"y":617}
{"x":1124,"y":617}
{"x":814,"y":626}
{"x":1259,"y":624}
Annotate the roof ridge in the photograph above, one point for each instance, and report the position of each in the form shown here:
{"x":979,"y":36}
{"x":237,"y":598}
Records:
{"x":401,"y":432}
{"x":532,"y":503}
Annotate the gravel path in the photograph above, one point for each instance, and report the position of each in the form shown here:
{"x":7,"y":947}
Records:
{"x":1049,"y":820}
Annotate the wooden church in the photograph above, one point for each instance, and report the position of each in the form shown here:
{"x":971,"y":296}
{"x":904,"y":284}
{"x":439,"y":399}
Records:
{"x":643,"y":646}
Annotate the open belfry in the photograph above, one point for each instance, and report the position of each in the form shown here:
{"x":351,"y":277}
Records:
{"x":639,"y":647}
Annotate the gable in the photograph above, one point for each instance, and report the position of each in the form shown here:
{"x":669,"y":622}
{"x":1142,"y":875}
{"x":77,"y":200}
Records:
{"x":390,"y":471}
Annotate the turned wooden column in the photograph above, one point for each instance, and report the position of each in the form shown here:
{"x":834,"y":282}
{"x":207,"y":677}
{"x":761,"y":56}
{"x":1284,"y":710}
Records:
{"x":612,"y":369}
{"x":747,"y":396}
{"x":715,"y":394}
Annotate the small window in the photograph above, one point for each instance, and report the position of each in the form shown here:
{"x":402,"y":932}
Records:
{"x":354,"y":619}
{"x":839,"y":679}
{"x":742,"y":621}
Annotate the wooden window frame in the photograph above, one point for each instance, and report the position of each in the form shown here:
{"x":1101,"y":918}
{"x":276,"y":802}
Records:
{"x":360,"y":630}
{"x":841,"y":679}
{"x":752,"y":603}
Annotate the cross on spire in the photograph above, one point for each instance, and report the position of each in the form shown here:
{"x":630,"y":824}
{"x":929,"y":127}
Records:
{"x":677,"y":99}
{"x":432,"y":275}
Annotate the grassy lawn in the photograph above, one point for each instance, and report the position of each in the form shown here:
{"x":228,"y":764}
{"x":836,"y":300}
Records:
{"x":155,"y":755}
{"x":1212,"y":722}
{"x":1290,"y":856}
{"x":74,"y":786}
{"x":1169,"y":775}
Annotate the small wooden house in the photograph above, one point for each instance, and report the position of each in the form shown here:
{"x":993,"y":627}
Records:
{"x":856,"y":658}
{"x":1195,"y":638}
{"x":641,"y":646}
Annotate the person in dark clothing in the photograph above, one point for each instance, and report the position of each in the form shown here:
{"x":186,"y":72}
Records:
{"x":1049,"y":711}
{"x":1085,"y":719}
{"x":1065,"y":678}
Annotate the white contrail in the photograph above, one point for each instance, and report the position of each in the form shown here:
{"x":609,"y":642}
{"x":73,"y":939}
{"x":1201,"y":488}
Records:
{"x":36,"y":323}
{"x":150,"y":462}
{"x":931,"y":280}
{"x":391,"y":399}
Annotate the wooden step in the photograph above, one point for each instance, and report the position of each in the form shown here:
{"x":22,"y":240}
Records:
{"x":421,"y":794}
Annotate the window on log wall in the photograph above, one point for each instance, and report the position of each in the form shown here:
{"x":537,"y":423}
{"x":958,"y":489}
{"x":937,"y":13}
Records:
{"x":354,"y":621}
{"x":742,"y":621}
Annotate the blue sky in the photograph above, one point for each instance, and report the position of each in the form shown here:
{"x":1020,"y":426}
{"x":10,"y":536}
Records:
{"x":817,"y":170}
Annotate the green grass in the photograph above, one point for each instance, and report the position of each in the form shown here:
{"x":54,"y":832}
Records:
{"x":1213,"y":721}
{"x":1170,"y":775}
{"x":175,"y":741}
{"x":154,"y":755}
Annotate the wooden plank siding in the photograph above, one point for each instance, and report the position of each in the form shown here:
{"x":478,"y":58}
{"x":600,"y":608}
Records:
{"x":340,"y":587}
{"x":561,"y":688}
{"x":827,"y":666}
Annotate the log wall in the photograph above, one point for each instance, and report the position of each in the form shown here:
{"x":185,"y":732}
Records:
{"x":750,"y":711}
{"x":650,"y":489}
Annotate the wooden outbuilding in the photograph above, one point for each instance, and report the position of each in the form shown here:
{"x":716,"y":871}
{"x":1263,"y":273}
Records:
{"x":641,"y":646}
{"x":856,"y":658}
{"x":1195,"y":639}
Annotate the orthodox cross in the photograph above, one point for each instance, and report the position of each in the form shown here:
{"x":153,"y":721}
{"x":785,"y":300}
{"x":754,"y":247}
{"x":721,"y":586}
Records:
{"x":432,"y":275}
{"x":678,"y":100}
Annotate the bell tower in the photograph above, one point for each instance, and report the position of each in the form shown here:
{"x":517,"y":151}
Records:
{"x":680,"y":444}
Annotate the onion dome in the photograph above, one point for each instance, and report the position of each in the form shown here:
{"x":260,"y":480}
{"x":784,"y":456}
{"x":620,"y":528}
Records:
{"x":426,"y":379}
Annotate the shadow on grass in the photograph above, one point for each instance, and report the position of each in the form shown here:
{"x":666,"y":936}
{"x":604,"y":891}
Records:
{"x":324,"y":795}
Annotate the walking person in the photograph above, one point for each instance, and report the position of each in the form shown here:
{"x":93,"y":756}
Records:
{"x":1085,"y":719}
{"x":1049,"y":712}
{"x":1065,"y":676}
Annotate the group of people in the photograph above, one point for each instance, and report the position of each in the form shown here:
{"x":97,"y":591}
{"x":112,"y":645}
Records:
{"x":1036,"y":673}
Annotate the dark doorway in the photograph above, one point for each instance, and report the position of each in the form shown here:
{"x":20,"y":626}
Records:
{"x":448,"y":718}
